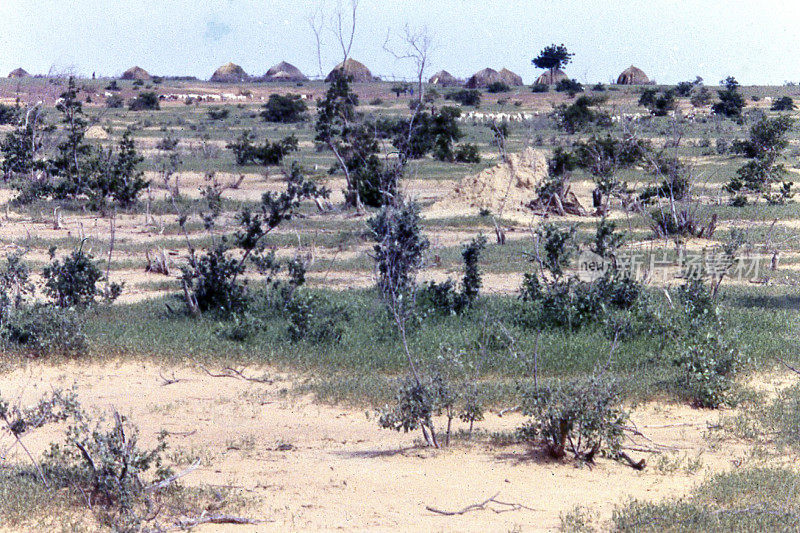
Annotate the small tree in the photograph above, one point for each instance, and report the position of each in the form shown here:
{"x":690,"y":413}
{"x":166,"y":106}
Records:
{"x":579,"y":417}
{"x":211,"y":281}
{"x":553,"y":57}
{"x":118,"y":178}
{"x":764,"y":148}
{"x":581,"y":114}
{"x":658,"y":103}
{"x":731,"y":101}
{"x":336,"y":117}
{"x":74,"y":155}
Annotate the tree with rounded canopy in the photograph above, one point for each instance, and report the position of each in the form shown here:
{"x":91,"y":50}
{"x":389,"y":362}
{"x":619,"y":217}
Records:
{"x":553,"y":57}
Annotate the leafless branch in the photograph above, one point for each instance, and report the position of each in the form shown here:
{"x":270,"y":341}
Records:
{"x":504,"y":507}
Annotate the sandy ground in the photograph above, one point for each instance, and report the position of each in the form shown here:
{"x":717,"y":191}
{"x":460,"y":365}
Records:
{"x":310,"y":467}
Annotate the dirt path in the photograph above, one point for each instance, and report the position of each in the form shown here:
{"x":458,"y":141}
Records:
{"x":314,"y":467}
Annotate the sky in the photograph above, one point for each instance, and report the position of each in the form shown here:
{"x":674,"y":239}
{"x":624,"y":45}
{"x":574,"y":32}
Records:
{"x":670,"y":40}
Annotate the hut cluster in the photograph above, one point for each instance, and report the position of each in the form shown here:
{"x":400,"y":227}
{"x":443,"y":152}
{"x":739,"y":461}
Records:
{"x":358,"y":72}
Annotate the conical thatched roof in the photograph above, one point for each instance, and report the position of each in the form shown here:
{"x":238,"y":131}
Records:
{"x":18,"y":73}
{"x":510,"y":78}
{"x":633,"y":76}
{"x":353,"y":69}
{"x":444,"y":79}
{"x":230,"y":73}
{"x":284,"y":71}
{"x":483,"y":78}
{"x":551,"y":77}
{"x":136,"y":73}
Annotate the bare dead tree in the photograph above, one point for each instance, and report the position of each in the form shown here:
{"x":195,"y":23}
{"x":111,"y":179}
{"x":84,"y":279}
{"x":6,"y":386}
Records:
{"x":317,"y":23}
{"x":417,"y":47}
{"x":345,"y":35}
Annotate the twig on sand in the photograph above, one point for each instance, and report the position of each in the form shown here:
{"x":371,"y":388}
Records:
{"x":168,"y":380}
{"x":787,"y":365}
{"x":172,"y":479}
{"x":504,"y":507}
{"x":217,"y":519}
{"x":229,"y":372}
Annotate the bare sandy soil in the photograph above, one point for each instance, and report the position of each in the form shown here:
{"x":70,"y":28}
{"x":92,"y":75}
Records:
{"x":310,"y":467}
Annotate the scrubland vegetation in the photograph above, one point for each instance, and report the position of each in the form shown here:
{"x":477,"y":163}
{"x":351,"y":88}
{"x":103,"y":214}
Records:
{"x":144,"y":229}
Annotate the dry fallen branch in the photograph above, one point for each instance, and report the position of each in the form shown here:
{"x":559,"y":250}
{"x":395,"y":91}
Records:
{"x":229,"y":372}
{"x":172,"y":479}
{"x":217,"y":519}
{"x":787,"y":365}
{"x":505,"y":507}
{"x":168,"y":380}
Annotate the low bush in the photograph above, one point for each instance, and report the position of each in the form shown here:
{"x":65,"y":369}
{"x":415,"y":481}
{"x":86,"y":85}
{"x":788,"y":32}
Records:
{"x":583,"y":418}
{"x":267,"y":154}
{"x":570,"y":86}
{"x":146,"y":101}
{"x":746,"y":500}
{"x":466,"y":97}
{"x":9,"y":115}
{"x":467,"y":153}
{"x":72,"y":281}
{"x":448,"y":389}
{"x":784,"y":103}
{"x":498,"y":87}
{"x":445,"y":297}
{"x":215,"y":113}
{"x":709,"y":366}
{"x":285,"y":109}
{"x":43,"y":331}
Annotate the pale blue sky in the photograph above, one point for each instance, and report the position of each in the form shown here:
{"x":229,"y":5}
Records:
{"x":757,"y":42}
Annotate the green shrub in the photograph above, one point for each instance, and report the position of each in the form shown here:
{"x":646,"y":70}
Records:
{"x":466,"y":97}
{"x":467,"y":153}
{"x":709,"y":366}
{"x":268,"y":154}
{"x":448,"y":389}
{"x":285,"y":109}
{"x":569,"y":86}
{"x":146,"y":101}
{"x":315,"y":319}
{"x":9,"y":114}
{"x":105,"y":462}
{"x":72,"y":281}
{"x":731,"y":101}
{"x":583,"y":418}
{"x":443,"y":297}
{"x":497,"y":87}
{"x":115,"y":101}
{"x":580,"y":115}
{"x":43,"y":331}
{"x":784,"y":103}
{"x":218,"y":113}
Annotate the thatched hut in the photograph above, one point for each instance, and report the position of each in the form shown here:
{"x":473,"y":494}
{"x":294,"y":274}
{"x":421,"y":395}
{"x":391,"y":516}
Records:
{"x":284,"y":71}
{"x":483,"y":78}
{"x":633,"y":76}
{"x":354,"y":70}
{"x":551,"y":77}
{"x":136,"y":73}
{"x":230,"y":73}
{"x":18,"y":73}
{"x":510,"y":78}
{"x":444,"y":79}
